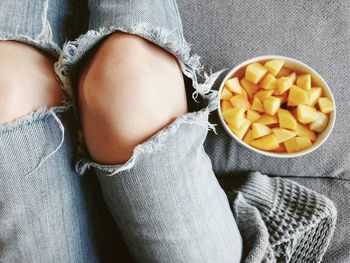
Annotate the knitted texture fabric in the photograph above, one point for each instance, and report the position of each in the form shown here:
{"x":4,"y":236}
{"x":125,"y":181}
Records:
{"x":282,"y":221}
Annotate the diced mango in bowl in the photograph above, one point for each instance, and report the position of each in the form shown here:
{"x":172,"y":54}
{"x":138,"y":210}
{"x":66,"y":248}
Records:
{"x":272,"y":108}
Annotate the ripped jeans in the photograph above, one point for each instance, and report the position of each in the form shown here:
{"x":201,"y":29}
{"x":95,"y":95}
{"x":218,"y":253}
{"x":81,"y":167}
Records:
{"x":165,"y":199}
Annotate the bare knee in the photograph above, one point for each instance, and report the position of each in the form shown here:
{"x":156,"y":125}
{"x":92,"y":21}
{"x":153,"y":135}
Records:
{"x":128,"y":90}
{"x":27,"y":80}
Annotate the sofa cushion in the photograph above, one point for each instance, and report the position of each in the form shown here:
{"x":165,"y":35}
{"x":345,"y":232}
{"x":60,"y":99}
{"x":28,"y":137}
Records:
{"x":226,"y":32}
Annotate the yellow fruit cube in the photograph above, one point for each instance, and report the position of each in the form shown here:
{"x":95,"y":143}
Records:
{"x":248,"y":137}
{"x":225,"y":105}
{"x":234,"y":86}
{"x":306,"y":114}
{"x":234,"y":117}
{"x":283,"y":84}
{"x":286,"y":119}
{"x":304,"y":131}
{"x":283,"y":72}
{"x":255,"y":72}
{"x":326,"y":105}
{"x":257,"y":105}
{"x":320,"y":124}
{"x":274,"y":66}
{"x":304,"y":81}
{"x":266,"y":143}
{"x":240,"y":101}
{"x":263,"y":94}
{"x":292,"y":145}
{"x":283,"y":135}
{"x":297,"y":96}
{"x":242,"y":130}
{"x":253,"y":115}
{"x":271,"y":105}
{"x":249,"y":87}
{"x":314,"y":94}
{"x":268,"y":82}
{"x":292,"y":76}
{"x":267,"y":119}
{"x":245,"y":94}
{"x":226,"y":94}
{"x":260,"y":130}
{"x":303,"y":142}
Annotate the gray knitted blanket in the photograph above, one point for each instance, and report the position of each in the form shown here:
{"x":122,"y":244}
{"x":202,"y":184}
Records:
{"x":282,"y":221}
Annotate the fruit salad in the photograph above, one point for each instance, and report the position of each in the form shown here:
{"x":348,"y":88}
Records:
{"x":273,"y":108}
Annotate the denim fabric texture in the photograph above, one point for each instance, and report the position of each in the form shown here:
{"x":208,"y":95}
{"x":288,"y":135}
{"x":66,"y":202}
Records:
{"x":44,"y":216}
{"x":44,"y":24}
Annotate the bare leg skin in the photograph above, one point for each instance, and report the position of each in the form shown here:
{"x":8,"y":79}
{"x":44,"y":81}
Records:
{"x":27,"y":80}
{"x":128,"y":90}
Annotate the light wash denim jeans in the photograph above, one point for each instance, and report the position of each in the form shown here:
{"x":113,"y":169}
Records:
{"x":165,"y":200}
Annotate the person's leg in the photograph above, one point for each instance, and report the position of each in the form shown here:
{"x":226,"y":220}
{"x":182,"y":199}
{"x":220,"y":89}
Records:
{"x":146,"y":148}
{"x":43,"y":214}
{"x":129,"y":89}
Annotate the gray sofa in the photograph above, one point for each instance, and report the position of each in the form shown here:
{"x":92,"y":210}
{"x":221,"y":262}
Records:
{"x":317,"y":32}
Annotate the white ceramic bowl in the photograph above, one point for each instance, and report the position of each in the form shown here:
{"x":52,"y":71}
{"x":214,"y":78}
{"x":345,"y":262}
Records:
{"x":299,"y":67}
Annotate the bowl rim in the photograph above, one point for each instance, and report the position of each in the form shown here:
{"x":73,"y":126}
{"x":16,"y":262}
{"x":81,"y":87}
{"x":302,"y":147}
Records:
{"x":308,"y":150}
